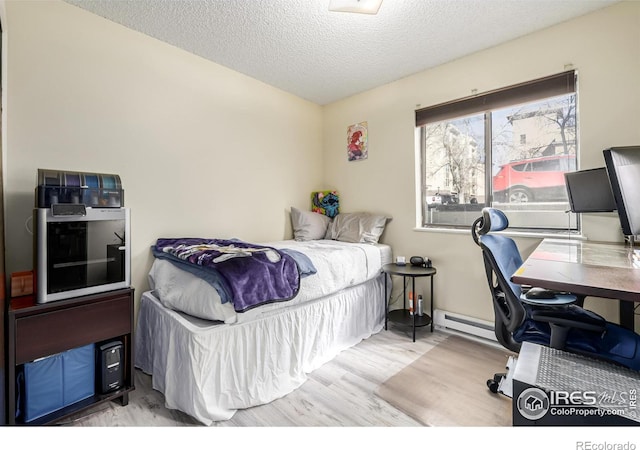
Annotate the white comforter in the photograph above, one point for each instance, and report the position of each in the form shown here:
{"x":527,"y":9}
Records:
{"x":339,"y":265}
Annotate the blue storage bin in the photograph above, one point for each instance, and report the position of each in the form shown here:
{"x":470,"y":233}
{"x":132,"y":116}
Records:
{"x":40,"y":388}
{"x":78,"y":374}
{"x":51,"y":383}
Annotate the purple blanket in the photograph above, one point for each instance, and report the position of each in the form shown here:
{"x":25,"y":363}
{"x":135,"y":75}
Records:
{"x":253,"y":274}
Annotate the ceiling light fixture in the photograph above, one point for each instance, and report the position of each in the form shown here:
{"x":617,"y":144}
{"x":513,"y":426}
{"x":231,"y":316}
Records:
{"x":355,"y":6}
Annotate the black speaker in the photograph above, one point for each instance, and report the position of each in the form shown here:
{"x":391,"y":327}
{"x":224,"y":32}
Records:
{"x":110,"y":368}
{"x":420,"y":261}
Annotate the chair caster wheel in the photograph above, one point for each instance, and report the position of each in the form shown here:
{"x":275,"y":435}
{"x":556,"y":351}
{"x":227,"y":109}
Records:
{"x":493,"y":386}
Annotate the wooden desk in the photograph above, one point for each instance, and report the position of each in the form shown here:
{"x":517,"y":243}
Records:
{"x":596,"y":269}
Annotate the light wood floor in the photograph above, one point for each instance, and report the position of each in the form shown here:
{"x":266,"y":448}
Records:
{"x":339,"y":394}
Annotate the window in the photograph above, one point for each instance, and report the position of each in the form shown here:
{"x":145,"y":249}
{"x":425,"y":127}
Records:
{"x":508,"y":149}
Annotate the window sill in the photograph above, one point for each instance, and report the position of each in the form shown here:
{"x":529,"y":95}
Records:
{"x":524,"y":234}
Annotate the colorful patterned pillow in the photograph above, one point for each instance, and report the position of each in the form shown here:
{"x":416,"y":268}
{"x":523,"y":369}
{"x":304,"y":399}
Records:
{"x":325,"y":202}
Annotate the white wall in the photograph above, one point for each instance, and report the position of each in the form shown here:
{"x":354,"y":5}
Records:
{"x":202,"y":150}
{"x":604,"y":47}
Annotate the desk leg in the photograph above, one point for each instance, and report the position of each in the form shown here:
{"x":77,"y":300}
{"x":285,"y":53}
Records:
{"x":431,"y":298}
{"x":386,"y":302}
{"x":627,"y":317}
{"x":413,"y":292}
{"x":404,"y":292}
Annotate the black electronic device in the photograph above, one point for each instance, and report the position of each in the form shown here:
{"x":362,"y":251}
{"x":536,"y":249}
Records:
{"x":110,"y":368}
{"x":420,"y":261}
{"x":78,"y":254}
{"x":623,"y":167}
{"x":68,"y":209}
{"x":589,"y":191}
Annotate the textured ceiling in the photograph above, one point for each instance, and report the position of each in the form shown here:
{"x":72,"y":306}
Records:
{"x":301,"y":47}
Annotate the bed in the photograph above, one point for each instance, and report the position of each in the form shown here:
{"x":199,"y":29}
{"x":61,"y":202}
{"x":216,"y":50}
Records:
{"x":210,"y":358}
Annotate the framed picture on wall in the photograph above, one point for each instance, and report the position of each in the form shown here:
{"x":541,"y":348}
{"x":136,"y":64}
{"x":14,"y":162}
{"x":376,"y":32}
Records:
{"x":357,"y":145}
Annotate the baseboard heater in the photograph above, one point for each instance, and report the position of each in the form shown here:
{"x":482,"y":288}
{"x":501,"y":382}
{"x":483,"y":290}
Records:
{"x":464,"y":324}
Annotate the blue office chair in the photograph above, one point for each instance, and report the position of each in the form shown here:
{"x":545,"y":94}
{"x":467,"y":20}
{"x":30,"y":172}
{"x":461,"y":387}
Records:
{"x":556,"y":322}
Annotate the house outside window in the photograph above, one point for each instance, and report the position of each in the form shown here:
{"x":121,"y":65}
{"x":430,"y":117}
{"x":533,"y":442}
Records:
{"x":508,"y":149}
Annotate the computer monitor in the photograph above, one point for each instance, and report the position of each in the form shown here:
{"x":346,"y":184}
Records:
{"x":589,"y":191}
{"x":623,"y":167}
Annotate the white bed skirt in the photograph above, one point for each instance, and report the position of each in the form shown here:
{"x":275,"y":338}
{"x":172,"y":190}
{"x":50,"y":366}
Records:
{"x":209,"y":371}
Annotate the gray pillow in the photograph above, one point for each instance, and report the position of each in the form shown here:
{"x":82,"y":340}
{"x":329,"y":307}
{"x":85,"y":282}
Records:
{"x":308,"y":225}
{"x":357,"y":227}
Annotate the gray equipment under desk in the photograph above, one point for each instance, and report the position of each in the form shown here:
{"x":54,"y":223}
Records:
{"x":553,"y":387}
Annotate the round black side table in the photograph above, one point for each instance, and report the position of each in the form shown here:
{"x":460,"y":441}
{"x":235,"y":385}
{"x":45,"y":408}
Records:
{"x":403,"y":316}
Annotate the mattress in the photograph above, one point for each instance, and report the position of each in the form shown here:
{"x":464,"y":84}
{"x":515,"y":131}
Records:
{"x":338,"y":265}
{"x":209,"y":369}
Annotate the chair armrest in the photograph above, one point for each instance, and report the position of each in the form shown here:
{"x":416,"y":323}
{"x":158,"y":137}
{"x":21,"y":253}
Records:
{"x":568,"y":322}
{"x":562,"y":320}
